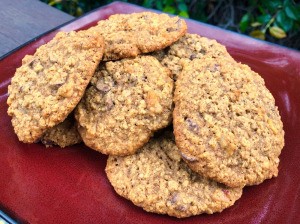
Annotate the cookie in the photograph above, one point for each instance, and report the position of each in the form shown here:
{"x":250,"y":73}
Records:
{"x":158,"y":180}
{"x":50,"y":83}
{"x":128,"y":35}
{"x":226,"y":124}
{"x":188,"y":48}
{"x":64,"y":134}
{"x":127,"y":101}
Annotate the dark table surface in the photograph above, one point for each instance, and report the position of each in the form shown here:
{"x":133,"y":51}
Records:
{"x":23,"y":20}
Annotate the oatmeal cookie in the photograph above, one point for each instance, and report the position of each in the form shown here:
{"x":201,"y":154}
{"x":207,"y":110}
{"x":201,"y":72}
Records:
{"x":127,"y":101}
{"x":128,"y":35}
{"x":50,"y":83}
{"x":158,"y":180}
{"x":226,"y":124}
{"x":188,"y":48}
{"x":64,"y":134}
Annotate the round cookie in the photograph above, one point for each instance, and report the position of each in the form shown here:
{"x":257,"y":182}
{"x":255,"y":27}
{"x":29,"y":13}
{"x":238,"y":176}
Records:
{"x":188,"y":48}
{"x":158,"y":180}
{"x":127,"y":101}
{"x":64,"y":134}
{"x":50,"y":83}
{"x":226,"y":124}
{"x":128,"y":35}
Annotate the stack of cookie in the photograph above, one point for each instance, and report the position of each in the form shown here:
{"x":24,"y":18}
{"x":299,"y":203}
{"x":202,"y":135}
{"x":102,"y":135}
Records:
{"x":227,"y":130}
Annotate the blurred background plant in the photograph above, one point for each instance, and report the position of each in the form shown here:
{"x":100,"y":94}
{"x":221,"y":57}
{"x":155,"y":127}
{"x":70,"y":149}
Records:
{"x":277,"y":21}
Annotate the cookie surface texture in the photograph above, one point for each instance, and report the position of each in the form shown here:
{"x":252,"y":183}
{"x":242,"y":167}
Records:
{"x":159,"y":181}
{"x":128,"y":35}
{"x":127,"y":101}
{"x":188,"y":48}
{"x":64,"y":134}
{"x":226,"y":124}
{"x":50,"y":83}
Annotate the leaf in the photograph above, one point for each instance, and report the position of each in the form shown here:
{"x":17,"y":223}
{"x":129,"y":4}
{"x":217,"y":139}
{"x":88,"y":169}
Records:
{"x":184,"y":14}
{"x":148,"y":3}
{"x":59,"y":6}
{"x":283,"y":21}
{"x":292,"y":12}
{"x":159,"y":5}
{"x":169,"y":9}
{"x":263,"y":19}
{"x":255,"y":24}
{"x":244,"y":23}
{"x":182,"y":7}
{"x":272,"y":5}
{"x":277,"y":32}
{"x":253,"y":2}
{"x":258,"y":34}
{"x":168,"y":2}
{"x":53,"y":2}
{"x":79,"y":11}
{"x":261,"y":9}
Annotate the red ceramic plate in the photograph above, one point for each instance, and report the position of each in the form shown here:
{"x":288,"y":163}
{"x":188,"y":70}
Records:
{"x":52,"y":185}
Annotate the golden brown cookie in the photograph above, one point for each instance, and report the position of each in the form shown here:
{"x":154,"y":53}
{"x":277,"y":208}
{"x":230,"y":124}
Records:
{"x":158,"y":180}
{"x":188,"y":48}
{"x":64,"y":134}
{"x":127,"y":101}
{"x":226,"y":124}
{"x":50,"y":83}
{"x":128,"y":35}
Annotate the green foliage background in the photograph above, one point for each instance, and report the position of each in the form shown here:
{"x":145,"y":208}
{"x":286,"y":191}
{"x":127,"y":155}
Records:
{"x":277,"y":21}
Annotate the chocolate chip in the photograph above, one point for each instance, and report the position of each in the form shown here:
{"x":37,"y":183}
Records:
{"x":203,"y":51}
{"x":146,"y":17}
{"x":47,"y":143}
{"x":214,"y":68}
{"x":109,"y":104}
{"x":31,"y":63}
{"x":171,"y":29}
{"x":181,"y":208}
{"x":192,"y":125}
{"x":102,"y":87}
{"x":173,"y":199}
{"x":192,"y":57}
{"x":120,"y":41}
{"x":188,"y":158}
{"x":226,"y":192}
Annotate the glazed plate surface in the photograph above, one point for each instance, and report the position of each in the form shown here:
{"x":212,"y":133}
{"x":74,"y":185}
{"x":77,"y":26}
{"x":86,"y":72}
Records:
{"x":46,"y":185}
